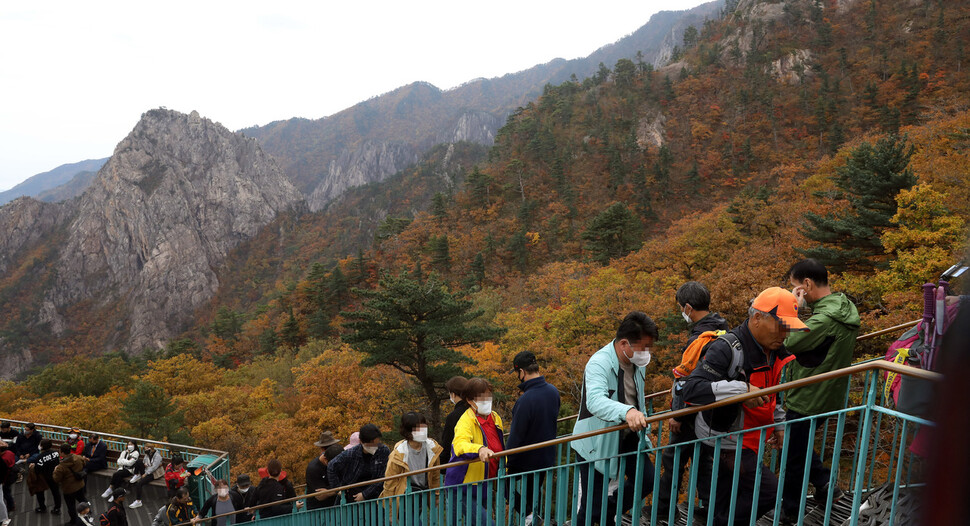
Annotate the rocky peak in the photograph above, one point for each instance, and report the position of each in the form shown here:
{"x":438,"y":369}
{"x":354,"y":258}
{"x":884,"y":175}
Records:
{"x":179,"y":192}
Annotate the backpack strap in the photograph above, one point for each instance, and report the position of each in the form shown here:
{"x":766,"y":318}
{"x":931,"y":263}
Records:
{"x":736,"y":369}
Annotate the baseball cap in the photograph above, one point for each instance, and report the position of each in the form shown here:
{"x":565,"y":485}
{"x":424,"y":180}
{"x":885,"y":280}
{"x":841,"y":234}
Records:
{"x":243,"y":480}
{"x":781,"y":304}
{"x":523,"y":359}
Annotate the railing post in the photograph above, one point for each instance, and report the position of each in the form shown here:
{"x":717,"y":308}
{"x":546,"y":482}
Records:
{"x":863,"y":441}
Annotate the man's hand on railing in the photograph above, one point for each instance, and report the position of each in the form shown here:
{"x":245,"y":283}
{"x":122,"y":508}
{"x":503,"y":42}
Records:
{"x":484,"y":454}
{"x":359,"y":497}
{"x":757,"y":401}
{"x":636,"y":420}
{"x":777,"y":439}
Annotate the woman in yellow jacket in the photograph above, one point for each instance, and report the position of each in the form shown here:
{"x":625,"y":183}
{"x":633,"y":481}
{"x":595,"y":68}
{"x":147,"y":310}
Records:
{"x":478,"y":434}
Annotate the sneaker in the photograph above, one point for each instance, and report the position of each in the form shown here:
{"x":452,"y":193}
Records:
{"x":136,"y":504}
{"x":134,"y":478}
{"x":56,"y":511}
{"x":40,"y":509}
{"x":106,"y":494}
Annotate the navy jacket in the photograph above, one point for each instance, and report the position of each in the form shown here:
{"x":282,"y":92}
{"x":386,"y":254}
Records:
{"x":97,"y":455}
{"x":712,"y":322}
{"x":533,"y":420}
{"x":28,"y":445}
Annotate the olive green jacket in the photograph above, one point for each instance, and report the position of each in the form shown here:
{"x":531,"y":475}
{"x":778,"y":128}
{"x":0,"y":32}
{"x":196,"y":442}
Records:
{"x":833,"y":326}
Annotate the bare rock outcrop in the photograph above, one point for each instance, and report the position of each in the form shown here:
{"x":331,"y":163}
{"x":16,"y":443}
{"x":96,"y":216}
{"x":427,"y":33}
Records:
{"x":179,"y":192}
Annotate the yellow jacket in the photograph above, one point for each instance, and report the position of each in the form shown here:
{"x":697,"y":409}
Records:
{"x":469,"y":438}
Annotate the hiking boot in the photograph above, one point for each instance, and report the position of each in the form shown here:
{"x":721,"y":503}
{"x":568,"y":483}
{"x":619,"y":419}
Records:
{"x":821,"y":495}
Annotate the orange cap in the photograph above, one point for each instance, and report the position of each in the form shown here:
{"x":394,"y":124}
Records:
{"x":781,"y":304}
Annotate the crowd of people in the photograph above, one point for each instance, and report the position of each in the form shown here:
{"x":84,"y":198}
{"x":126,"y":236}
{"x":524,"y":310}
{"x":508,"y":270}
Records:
{"x":719,"y":362}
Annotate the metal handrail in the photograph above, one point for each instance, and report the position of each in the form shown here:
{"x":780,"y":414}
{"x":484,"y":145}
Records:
{"x":839,"y":373}
{"x":124,"y":438}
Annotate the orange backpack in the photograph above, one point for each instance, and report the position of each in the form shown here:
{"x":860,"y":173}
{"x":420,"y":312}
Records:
{"x":692,"y":354}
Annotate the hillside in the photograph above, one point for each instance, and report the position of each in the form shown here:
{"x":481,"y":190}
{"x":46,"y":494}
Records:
{"x":50,"y":182}
{"x":383,"y":135}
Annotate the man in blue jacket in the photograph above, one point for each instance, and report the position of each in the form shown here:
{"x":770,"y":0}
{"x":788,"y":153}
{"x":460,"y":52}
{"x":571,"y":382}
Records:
{"x":613,"y":394}
{"x":533,"y":420}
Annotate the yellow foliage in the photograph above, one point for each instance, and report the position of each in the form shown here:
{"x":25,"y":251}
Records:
{"x":183,"y":374}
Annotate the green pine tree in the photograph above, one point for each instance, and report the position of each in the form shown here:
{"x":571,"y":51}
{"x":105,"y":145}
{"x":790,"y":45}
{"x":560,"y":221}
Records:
{"x":150,"y":413}
{"x":613,"y":233}
{"x":869,"y":181}
{"x":414,"y":326}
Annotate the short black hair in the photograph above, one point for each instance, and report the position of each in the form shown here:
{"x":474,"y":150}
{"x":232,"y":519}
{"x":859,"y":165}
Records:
{"x":331,"y":452}
{"x":46,"y":443}
{"x":694,"y":293}
{"x":409,"y":421}
{"x":65,"y":448}
{"x":636,"y":326}
{"x":369,"y":433}
{"x":811,"y":269}
{"x":274,"y":467}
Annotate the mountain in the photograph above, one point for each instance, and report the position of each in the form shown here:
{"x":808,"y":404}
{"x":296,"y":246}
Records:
{"x":48,"y":181}
{"x":379,"y":137}
{"x":127,"y":263}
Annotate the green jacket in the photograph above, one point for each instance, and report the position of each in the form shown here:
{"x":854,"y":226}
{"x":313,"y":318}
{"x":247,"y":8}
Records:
{"x":600,"y":408}
{"x":834,"y":326}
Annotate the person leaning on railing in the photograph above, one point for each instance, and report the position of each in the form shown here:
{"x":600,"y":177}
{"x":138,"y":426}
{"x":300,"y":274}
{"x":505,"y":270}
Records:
{"x":834,"y":326}
{"x":612,"y":394}
{"x":478,"y":434}
{"x":748,"y":358}
{"x":316,"y":471}
{"x":365,"y":461}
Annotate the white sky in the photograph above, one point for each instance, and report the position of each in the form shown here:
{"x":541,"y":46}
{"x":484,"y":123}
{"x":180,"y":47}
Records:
{"x":75,"y":76}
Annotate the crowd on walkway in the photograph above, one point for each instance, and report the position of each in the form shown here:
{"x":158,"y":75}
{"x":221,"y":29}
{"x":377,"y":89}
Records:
{"x":718,"y":362}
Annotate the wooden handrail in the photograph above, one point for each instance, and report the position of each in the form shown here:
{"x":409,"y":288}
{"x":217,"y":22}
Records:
{"x":848,"y":371}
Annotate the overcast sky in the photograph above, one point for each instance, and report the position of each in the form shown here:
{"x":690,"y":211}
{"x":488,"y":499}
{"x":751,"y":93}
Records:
{"x":75,"y":76}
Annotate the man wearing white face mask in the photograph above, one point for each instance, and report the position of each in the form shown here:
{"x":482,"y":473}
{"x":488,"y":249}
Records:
{"x":613,"y":394}
{"x":363,"y":462}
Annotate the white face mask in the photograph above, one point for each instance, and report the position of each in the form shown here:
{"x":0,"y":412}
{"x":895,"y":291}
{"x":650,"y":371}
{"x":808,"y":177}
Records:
{"x":72,"y":436}
{"x":484,"y":407}
{"x":131,"y":447}
{"x":223,"y":492}
{"x":640,"y":358}
{"x":451,"y":398}
{"x":243,"y":490}
{"x":370,"y":450}
{"x":420,"y":435}
{"x":683,"y":313}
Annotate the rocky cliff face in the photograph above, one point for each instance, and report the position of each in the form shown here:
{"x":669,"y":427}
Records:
{"x":371,"y":162}
{"x":179,"y":192}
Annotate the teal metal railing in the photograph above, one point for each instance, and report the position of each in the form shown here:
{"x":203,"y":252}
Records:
{"x":216,"y":462}
{"x":865,"y":444}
